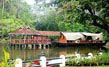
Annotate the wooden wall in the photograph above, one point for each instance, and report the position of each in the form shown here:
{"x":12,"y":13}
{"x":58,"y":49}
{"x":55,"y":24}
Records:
{"x":62,"y":39}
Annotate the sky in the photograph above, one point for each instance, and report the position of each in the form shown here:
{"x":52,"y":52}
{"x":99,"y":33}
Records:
{"x":31,"y":2}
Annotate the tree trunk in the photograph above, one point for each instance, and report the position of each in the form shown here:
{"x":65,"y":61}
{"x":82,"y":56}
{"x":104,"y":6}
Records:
{"x":2,"y":8}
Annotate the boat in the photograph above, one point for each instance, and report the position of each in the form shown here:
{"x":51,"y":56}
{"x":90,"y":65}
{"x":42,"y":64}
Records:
{"x":81,"y":38}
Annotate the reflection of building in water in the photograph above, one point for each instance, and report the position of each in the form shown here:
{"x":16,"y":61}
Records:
{"x":63,"y":53}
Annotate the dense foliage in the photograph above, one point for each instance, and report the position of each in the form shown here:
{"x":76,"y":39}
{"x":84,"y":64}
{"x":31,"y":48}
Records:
{"x":13,"y":14}
{"x":70,"y":15}
{"x":93,"y":15}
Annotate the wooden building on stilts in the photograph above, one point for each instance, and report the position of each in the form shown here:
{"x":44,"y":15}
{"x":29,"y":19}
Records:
{"x":24,"y":37}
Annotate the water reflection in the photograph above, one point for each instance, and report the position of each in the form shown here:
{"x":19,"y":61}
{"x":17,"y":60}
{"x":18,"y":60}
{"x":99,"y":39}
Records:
{"x":52,"y":52}
{"x":27,"y":54}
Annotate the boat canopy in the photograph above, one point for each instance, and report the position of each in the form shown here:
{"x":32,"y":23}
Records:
{"x":81,"y":35}
{"x":94,"y":36}
{"x":72,"y":35}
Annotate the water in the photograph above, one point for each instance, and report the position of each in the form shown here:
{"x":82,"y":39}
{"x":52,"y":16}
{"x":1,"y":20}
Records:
{"x":27,"y":54}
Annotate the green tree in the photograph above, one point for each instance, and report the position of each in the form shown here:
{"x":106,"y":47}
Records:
{"x":14,"y":14}
{"x":92,"y":12}
{"x":47,"y":22}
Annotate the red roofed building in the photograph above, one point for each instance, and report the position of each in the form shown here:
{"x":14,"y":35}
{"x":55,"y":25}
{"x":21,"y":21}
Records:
{"x":24,"y":35}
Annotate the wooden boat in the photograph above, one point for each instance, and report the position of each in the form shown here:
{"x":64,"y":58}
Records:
{"x":81,"y":38}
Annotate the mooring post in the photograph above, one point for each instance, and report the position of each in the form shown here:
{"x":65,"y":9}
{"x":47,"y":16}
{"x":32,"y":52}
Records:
{"x":62,"y":60}
{"x":18,"y":62}
{"x":43,"y":60}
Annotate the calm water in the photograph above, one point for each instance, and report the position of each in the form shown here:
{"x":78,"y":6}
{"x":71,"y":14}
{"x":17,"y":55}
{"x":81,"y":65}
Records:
{"x":51,"y":52}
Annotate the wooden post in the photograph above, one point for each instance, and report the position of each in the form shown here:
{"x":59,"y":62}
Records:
{"x":39,"y":46}
{"x":44,"y":46}
{"x":26,"y":46}
{"x":34,"y":46}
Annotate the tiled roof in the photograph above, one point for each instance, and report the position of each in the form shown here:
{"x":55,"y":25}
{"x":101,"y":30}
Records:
{"x":27,"y":31}
{"x":49,"y":33}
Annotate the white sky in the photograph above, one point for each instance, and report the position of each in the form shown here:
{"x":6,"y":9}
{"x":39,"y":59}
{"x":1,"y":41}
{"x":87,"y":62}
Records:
{"x":31,"y":2}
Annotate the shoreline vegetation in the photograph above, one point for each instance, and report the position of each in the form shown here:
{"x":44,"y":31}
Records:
{"x":96,"y":60}
{"x":5,"y":58}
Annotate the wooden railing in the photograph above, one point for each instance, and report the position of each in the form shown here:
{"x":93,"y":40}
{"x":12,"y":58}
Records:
{"x":30,"y":41}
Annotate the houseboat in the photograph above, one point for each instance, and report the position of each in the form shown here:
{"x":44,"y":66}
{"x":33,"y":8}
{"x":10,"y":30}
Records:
{"x":81,"y":38}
